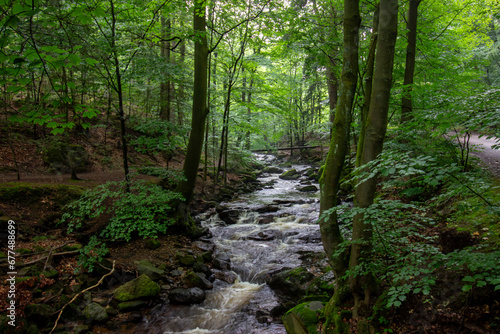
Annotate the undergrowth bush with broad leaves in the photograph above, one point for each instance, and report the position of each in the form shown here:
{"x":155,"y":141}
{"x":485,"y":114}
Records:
{"x":143,"y":212}
{"x":404,"y":256}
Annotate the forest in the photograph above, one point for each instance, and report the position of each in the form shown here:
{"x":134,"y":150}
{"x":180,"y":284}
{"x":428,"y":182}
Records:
{"x":256,"y":166}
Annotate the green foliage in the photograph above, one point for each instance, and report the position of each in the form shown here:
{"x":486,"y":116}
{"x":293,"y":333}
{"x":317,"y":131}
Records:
{"x":143,"y":212}
{"x":156,"y":136}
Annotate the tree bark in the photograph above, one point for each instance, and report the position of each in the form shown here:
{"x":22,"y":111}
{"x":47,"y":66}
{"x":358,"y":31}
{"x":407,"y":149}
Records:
{"x":330,"y":232}
{"x":411,"y":26}
{"x":165,"y":104}
{"x":370,"y":65}
{"x":375,"y":129}
{"x":200,"y":110}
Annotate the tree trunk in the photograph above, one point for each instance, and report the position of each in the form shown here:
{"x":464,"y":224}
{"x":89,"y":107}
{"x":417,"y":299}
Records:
{"x":330,"y":232}
{"x":411,"y":26}
{"x":165,"y":86}
{"x":370,"y":65}
{"x":375,"y":128}
{"x":119,"y":91}
{"x":200,"y":111}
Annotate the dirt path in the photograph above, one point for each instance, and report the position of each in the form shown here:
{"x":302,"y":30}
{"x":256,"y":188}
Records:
{"x":484,"y":151}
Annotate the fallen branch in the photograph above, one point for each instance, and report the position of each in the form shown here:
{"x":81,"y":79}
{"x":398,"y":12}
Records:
{"x":80,"y":293}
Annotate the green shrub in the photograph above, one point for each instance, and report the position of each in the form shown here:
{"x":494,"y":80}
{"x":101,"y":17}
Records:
{"x":143,"y":212}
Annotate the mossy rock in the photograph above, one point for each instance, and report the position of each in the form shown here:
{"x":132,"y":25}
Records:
{"x":95,"y":313}
{"x":72,"y":247}
{"x":153,"y":244}
{"x":185,"y":260}
{"x":291,"y":174}
{"x":292,"y":283}
{"x":139,"y":288}
{"x":303,"y":318}
{"x":131,"y":305}
{"x":147,"y":268}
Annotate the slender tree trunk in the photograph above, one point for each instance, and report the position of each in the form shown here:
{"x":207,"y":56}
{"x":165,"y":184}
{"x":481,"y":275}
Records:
{"x":370,"y":65}
{"x":200,"y":110}
{"x":411,"y":26}
{"x":165,"y":86}
{"x":376,"y":125}
{"x":329,"y":182}
{"x":119,"y":91}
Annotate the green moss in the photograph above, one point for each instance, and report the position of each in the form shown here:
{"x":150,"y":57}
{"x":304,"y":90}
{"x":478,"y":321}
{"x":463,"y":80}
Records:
{"x":28,"y":192}
{"x":307,"y":313}
{"x":141,"y":287}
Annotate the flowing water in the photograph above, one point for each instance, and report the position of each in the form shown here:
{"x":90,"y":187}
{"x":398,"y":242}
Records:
{"x":259,"y":244}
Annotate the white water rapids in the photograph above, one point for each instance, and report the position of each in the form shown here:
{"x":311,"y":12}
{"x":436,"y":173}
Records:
{"x":255,"y":250}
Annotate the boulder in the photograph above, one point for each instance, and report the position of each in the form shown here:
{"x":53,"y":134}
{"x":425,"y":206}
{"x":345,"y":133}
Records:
{"x":131,"y":305}
{"x":272,"y":170}
{"x":222,"y":262}
{"x":185,"y":260}
{"x":291,"y":283}
{"x":310,"y":188}
{"x":153,"y":244}
{"x":265,"y":235}
{"x":95,"y":313}
{"x":290,"y":174}
{"x":147,"y":268}
{"x":187,"y":296}
{"x":202,"y":268}
{"x":226,"y":276}
{"x":303,"y":318}
{"x":139,"y":288}
{"x":229,"y":217}
{"x":197,"y":280}
{"x":267,"y":209}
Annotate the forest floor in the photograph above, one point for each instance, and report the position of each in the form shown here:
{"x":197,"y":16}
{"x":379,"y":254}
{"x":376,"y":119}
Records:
{"x":36,"y":213}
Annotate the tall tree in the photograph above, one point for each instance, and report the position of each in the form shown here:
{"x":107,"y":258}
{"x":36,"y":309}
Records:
{"x":375,"y":129}
{"x":411,"y":26}
{"x":200,"y":110}
{"x":330,"y":231}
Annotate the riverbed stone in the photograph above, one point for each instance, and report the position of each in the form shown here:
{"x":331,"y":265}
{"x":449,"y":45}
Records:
{"x":266,"y":235}
{"x":222,"y":262}
{"x":291,"y":283}
{"x":303,"y":318}
{"x":131,"y":305}
{"x":226,"y":276}
{"x":272,"y":170}
{"x":185,"y":260}
{"x":309,"y":188}
{"x":230,"y":217}
{"x":187,"y":296}
{"x":290,"y":174}
{"x":139,"y":288}
{"x":202,"y":268}
{"x":95,"y":313}
{"x":147,"y":268}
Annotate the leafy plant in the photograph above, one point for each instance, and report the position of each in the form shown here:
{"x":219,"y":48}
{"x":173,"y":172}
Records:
{"x":143,"y":212}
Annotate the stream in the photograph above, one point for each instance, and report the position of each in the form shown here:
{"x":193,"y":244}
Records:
{"x":274,"y":228}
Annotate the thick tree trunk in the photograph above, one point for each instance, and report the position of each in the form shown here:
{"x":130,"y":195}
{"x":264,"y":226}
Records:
{"x":200,"y":110}
{"x":376,"y":125}
{"x":330,"y":232}
{"x":411,"y":25}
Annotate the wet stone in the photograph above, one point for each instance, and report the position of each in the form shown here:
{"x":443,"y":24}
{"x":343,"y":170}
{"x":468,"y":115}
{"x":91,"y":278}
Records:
{"x":222,"y":261}
{"x":265,"y":235}
{"x":187,"y":296}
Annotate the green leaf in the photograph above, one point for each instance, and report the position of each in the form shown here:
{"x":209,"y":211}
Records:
{"x":466,"y":288}
{"x":91,"y":61}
